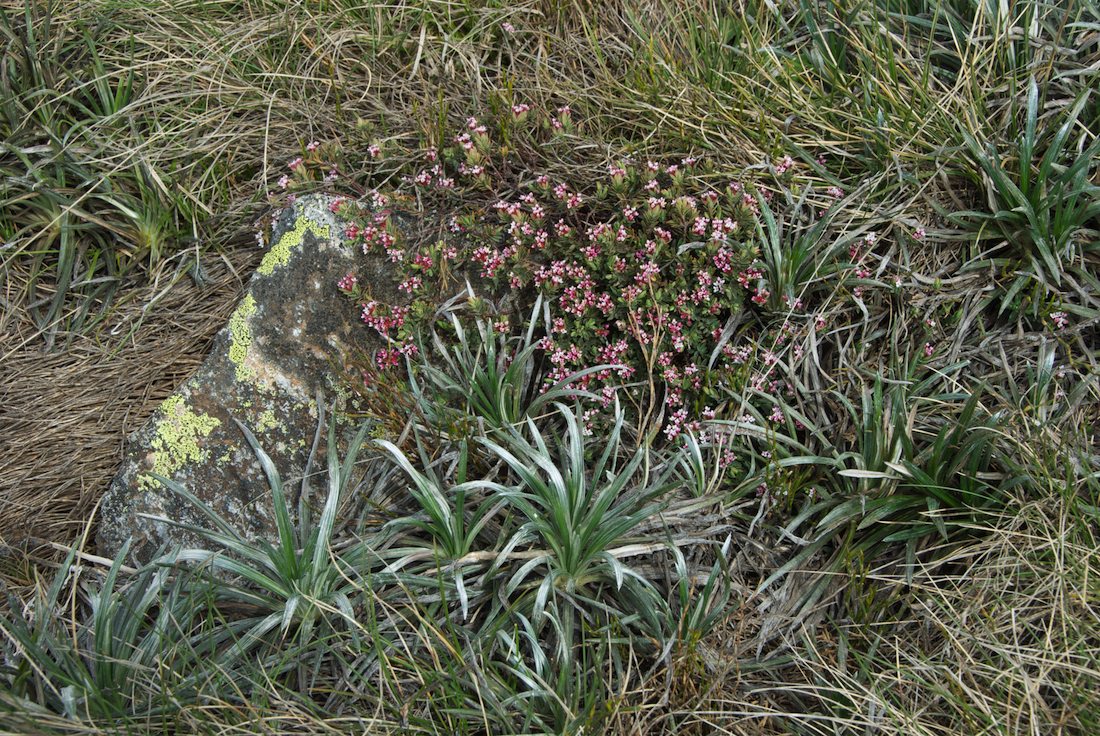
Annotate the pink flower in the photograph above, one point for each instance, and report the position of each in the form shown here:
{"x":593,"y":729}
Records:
{"x":1060,"y":319}
{"x":507,"y":27}
{"x":312,"y":146}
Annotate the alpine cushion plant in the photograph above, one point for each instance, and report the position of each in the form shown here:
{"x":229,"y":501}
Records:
{"x":642,"y":272}
{"x":645,"y":274}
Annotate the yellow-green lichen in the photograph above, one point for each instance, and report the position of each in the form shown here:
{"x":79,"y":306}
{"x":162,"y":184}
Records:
{"x":240,"y":336}
{"x":266,"y":421}
{"x":280,"y":252}
{"x":176,"y":441}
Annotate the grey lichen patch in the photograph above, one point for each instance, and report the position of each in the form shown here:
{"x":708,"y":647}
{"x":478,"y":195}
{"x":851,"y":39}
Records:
{"x":241,"y":336}
{"x":291,"y":239}
{"x":176,"y":441}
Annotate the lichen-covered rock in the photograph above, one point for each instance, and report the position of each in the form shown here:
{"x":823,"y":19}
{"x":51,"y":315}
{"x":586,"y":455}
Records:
{"x":280,"y":347}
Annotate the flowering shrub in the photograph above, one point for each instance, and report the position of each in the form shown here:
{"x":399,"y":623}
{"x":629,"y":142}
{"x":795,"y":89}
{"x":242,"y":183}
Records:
{"x":645,"y":269}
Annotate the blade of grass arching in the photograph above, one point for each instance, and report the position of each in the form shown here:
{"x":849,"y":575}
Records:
{"x":289,"y":563}
{"x":1017,"y":286}
{"x":427,"y":492}
{"x":1058,"y":142}
{"x":485,"y":511}
{"x":320,"y":542}
{"x":554,"y":493}
{"x":880,"y":509}
{"x":575,"y":458}
{"x":611,"y":446}
{"x":261,"y":552}
{"x":250,"y":639}
{"x":217,"y":560}
{"x":1027,"y":141}
{"x":529,"y":335}
{"x":102,"y":608}
{"x":202,"y":506}
{"x":289,"y":610}
{"x":1076,"y":174}
{"x":562,"y":389}
{"x":792,"y":564}
{"x":520,"y":575}
{"x":522,"y":535}
{"x":66,"y":261}
{"x":351,"y":455}
{"x":595,"y":514}
{"x":843,"y":513}
{"x":923,"y":481}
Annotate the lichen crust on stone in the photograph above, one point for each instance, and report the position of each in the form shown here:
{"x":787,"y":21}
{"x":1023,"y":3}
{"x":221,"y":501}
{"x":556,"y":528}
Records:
{"x":291,"y":239}
{"x":176,"y":439}
{"x":266,"y":421}
{"x":240,"y":336}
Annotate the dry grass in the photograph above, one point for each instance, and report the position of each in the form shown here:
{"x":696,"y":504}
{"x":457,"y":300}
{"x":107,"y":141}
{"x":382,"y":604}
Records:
{"x":66,"y":414}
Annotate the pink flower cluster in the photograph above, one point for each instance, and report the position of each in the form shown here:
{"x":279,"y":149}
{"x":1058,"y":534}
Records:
{"x":641,"y":270}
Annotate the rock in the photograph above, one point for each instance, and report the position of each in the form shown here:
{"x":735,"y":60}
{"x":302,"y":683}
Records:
{"x":281,"y":345}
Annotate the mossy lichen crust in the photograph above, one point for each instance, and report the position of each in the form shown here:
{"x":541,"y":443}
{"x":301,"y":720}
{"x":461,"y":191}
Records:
{"x":176,"y":439}
{"x":291,"y":239}
{"x":240,"y":336}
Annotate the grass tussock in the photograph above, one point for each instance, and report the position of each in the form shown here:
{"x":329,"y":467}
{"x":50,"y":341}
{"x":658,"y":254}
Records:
{"x":885,"y":524}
